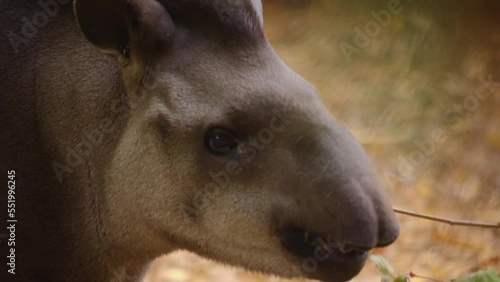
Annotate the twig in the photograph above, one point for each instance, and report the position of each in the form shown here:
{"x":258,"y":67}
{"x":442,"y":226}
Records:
{"x":413,"y":275}
{"x":447,"y":220}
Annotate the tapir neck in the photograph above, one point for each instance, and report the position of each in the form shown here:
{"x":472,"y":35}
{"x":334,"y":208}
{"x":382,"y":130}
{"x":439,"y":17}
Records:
{"x":66,"y":132}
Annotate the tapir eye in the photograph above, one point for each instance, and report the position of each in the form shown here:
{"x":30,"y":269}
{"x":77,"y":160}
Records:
{"x":220,"y":141}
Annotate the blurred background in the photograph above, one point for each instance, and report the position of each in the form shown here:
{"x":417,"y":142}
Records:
{"x":415,"y":83}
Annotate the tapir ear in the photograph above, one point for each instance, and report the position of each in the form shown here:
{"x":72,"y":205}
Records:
{"x":125,"y":27}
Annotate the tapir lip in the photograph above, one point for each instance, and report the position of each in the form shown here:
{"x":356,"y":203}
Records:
{"x":319,"y":257}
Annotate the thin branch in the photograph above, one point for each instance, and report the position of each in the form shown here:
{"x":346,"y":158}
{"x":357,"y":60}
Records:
{"x":447,"y":220}
{"x":413,"y":275}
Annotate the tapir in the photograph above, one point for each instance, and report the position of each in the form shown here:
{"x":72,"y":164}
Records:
{"x":135,"y":128}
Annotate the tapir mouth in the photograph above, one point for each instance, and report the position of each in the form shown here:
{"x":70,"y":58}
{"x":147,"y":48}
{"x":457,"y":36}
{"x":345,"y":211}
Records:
{"x":321,"y":258}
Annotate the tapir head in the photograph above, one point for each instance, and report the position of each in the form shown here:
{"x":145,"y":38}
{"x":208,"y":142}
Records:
{"x":227,"y":152}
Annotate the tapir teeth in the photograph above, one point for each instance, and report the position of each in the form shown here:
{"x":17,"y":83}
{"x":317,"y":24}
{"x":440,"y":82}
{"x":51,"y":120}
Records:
{"x":316,"y":241}
{"x":345,"y":249}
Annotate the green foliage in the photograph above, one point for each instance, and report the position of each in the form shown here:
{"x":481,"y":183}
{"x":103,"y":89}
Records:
{"x":388,"y":275}
{"x":481,"y":276}
{"x":386,"y":270}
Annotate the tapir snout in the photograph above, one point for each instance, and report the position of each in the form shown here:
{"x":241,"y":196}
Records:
{"x":333,"y":209}
{"x":349,"y":193}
